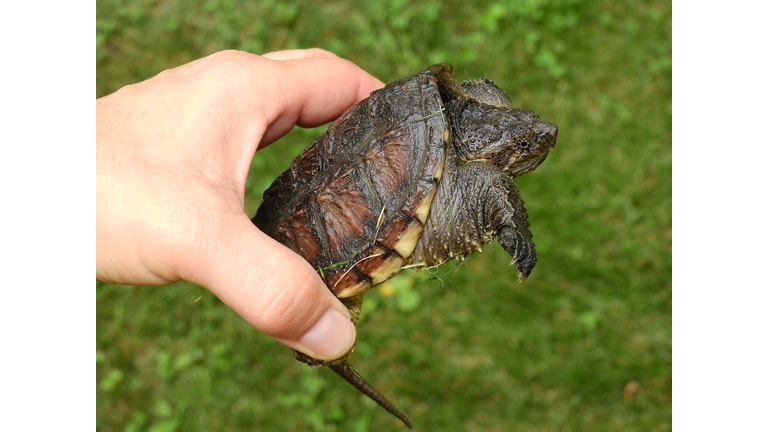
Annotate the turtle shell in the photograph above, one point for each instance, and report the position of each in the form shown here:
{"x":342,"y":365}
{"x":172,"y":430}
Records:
{"x":355,"y":201}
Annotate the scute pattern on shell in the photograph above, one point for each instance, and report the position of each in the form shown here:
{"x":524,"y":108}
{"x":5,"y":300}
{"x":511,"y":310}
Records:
{"x":355,"y":193}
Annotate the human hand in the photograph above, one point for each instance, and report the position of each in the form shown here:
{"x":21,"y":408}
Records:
{"x":172,"y":156}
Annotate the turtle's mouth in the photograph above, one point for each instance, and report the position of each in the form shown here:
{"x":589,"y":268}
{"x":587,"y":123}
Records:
{"x":546,"y":134}
{"x":528,"y":165}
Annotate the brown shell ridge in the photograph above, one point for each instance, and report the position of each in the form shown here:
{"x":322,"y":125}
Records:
{"x":388,"y":160}
{"x":421,"y":129}
{"x":346,"y":211}
{"x":374,"y":264}
{"x":317,"y":225}
{"x":300,"y":233}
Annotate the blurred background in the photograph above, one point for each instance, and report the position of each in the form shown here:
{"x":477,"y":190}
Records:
{"x":584,"y":344}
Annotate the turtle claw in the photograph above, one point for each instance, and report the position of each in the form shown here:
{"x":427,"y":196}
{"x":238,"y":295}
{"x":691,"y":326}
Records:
{"x":523,"y":270}
{"x":522,"y":276}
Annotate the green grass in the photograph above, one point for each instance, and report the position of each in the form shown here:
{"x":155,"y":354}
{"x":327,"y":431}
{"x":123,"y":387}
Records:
{"x":477,"y":351}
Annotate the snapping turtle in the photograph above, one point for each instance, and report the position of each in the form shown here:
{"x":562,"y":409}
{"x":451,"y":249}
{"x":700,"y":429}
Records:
{"x":419,"y":173}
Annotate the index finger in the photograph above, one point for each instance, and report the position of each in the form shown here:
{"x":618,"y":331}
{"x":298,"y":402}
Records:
{"x":298,"y":54}
{"x":310,"y":87}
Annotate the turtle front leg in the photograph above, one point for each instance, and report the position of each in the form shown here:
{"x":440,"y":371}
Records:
{"x":475,"y":203}
{"x":506,"y":210}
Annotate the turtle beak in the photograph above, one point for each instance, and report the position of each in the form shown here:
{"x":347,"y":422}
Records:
{"x":546,"y":134}
{"x":529,"y":165}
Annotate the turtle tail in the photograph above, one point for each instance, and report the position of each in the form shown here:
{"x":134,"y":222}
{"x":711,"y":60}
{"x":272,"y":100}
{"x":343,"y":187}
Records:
{"x":348,"y":373}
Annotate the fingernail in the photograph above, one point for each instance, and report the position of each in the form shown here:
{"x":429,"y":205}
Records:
{"x":331,"y":337}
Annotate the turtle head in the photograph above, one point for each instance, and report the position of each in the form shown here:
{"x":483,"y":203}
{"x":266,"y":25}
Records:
{"x":487,"y":127}
{"x":513,"y":139}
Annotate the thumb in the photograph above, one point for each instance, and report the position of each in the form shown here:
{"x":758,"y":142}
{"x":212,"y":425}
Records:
{"x":274,"y":289}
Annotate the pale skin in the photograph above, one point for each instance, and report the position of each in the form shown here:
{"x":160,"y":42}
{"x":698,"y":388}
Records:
{"x":172,"y":156}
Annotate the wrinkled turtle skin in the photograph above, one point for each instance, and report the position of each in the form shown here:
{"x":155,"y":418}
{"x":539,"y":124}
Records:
{"x":419,"y":173}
